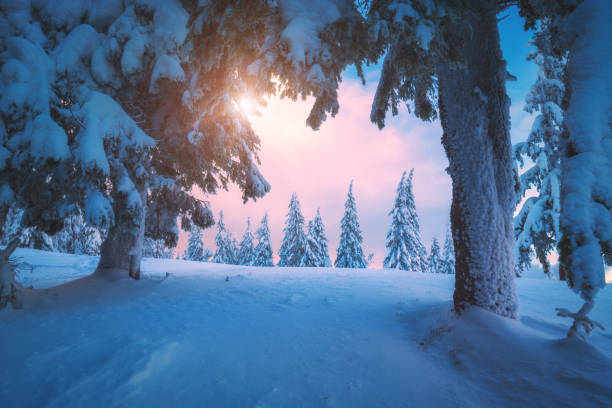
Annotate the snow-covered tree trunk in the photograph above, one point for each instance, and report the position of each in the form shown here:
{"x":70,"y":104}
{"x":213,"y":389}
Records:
{"x":8,"y":285}
{"x":474,"y":110}
{"x":121,"y":251}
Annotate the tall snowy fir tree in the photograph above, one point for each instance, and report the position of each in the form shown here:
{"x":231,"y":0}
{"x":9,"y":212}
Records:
{"x":318,"y":233}
{"x":107,"y":97}
{"x":312,"y":252}
{"x":585,"y":221}
{"x":234,"y":249}
{"x":434,"y":261}
{"x":405,"y":249}
{"x":448,"y":256}
{"x":293,"y":247}
{"x":536,"y":227}
{"x":263,"y":250}
{"x":350,"y":252}
{"x":246,"y":251}
{"x":225,"y":252}
{"x":429,"y":64}
{"x":195,"y":245}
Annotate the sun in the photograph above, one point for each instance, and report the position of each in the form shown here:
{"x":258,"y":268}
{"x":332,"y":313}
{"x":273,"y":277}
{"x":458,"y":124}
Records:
{"x":247,"y":105}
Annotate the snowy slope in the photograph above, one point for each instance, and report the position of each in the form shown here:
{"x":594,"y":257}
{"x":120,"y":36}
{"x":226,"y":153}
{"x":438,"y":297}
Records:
{"x":288,"y":337}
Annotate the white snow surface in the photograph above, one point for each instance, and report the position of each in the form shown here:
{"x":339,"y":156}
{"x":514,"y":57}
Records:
{"x":230,"y":336}
{"x":305,"y":20}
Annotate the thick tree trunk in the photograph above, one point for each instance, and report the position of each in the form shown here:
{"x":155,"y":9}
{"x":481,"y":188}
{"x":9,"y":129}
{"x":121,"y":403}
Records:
{"x":474,"y":111}
{"x":121,"y":251}
{"x":8,"y":286}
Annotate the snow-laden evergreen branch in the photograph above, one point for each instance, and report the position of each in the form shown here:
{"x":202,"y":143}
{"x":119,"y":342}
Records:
{"x":582,"y":325}
{"x":350,"y":251}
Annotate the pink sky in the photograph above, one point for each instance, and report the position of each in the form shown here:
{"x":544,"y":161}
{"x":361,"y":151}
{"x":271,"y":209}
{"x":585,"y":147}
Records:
{"x":319,"y":165}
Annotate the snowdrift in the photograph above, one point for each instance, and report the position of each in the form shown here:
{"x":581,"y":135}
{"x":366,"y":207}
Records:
{"x":199,"y":334}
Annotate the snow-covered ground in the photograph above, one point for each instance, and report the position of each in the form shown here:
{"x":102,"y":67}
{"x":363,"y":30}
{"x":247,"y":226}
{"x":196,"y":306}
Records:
{"x":228,"y":336}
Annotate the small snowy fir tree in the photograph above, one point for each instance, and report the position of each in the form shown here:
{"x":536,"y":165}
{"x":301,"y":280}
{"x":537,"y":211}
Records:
{"x":155,"y":248}
{"x":318,"y":232}
{"x":293,"y":247}
{"x":404,"y":247}
{"x":207,"y":255}
{"x":234,"y":249}
{"x":35,"y":239}
{"x":350,"y":252}
{"x":225,"y":252}
{"x":536,"y":227}
{"x":434,"y":260}
{"x":12,"y":226}
{"x":77,"y":238}
{"x":246,"y":252}
{"x":195,"y":246}
{"x":263,"y":250}
{"x":370,"y":258}
{"x":448,"y":258}
{"x":312,"y":252}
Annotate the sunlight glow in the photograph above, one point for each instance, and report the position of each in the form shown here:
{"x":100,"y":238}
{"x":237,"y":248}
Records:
{"x":247,"y":105}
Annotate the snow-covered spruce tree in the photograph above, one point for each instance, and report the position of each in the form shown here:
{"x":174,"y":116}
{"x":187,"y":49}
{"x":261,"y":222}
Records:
{"x":195,"y":245}
{"x":434,"y":261}
{"x":226,"y":247}
{"x":536,"y":227}
{"x":207,"y":255}
{"x":448,"y":256}
{"x":77,"y":237}
{"x":586,"y":174}
{"x":450,"y":54}
{"x":156,"y":248}
{"x":119,"y":92}
{"x":405,"y":249}
{"x":263,"y":250}
{"x":34,"y":176}
{"x":312,"y":252}
{"x":105,"y":153}
{"x":318,"y":232}
{"x":235,"y":248}
{"x":202,"y":139}
{"x":293,"y":247}
{"x":36,"y":239}
{"x":11,"y":225}
{"x":350,"y":252}
{"x":246,"y":251}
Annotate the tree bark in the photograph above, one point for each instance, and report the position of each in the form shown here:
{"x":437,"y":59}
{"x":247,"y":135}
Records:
{"x":474,"y":111}
{"x":121,"y":251}
{"x":562,"y":274}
